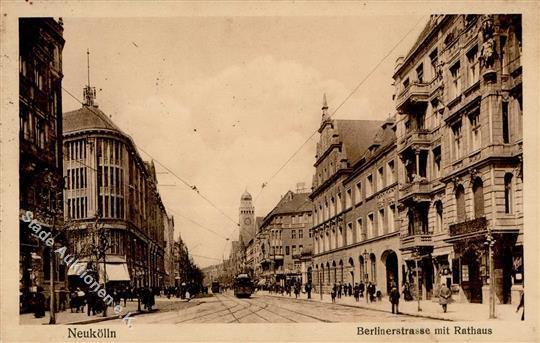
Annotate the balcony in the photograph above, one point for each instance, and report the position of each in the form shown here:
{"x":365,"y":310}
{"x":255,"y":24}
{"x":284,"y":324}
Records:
{"x":417,"y":137}
{"x":416,"y":191}
{"x":414,"y":93}
{"x":468,"y":227}
{"x":411,"y":242}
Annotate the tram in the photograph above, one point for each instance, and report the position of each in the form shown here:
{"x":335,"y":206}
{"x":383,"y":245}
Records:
{"x":215,"y":287}
{"x":243,"y":286}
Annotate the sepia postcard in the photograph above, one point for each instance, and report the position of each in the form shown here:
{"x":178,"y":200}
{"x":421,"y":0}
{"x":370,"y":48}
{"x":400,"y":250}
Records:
{"x":269,"y":171}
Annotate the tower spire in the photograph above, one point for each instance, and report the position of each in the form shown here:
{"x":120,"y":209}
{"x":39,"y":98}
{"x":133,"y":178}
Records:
{"x":89,"y":92}
{"x":324,"y":108}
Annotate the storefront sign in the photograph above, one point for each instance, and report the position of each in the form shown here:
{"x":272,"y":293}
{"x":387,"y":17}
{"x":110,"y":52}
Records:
{"x":469,"y":226}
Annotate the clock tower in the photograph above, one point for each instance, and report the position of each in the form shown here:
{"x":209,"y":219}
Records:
{"x":246,"y":218}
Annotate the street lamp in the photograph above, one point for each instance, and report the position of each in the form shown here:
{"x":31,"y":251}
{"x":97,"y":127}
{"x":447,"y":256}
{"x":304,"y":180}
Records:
{"x":490,"y":242}
{"x":366,"y":256}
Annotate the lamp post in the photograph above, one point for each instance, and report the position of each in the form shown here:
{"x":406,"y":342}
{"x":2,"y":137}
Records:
{"x":366,"y":277}
{"x":490,"y":242}
{"x":416,"y":255}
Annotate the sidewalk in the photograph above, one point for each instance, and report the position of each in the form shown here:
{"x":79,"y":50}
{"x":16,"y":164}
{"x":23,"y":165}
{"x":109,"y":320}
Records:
{"x":67,"y":317}
{"x":430,"y":309}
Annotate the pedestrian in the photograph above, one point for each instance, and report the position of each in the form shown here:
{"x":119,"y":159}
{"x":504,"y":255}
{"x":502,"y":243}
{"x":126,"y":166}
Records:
{"x":91,"y":303}
{"x":445,"y":296}
{"x":406,"y":290}
{"x":394,"y":298}
{"x":350,"y":289}
{"x":356,"y":292}
{"x":80,"y":299}
{"x":73,"y":301}
{"x":521,"y":305}
{"x":340,"y":290}
{"x":296,"y":291}
{"x":333,"y":293}
{"x":361,"y":289}
{"x":39,"y":303}
{"x":308,"y":290}
{"x":63,"y":295}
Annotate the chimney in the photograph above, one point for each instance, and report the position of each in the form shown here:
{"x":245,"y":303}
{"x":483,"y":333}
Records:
{"x":300,"y":187}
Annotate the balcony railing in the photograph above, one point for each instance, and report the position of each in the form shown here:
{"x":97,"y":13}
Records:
{"x":417,"y":136}
{"x":422,"y":187}
{"x":415,"y":92}
{"x":410,"y":242}
{"x":468,"y":226}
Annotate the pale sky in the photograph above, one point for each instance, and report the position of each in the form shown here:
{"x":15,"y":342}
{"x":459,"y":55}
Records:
{"x":225,"y":101}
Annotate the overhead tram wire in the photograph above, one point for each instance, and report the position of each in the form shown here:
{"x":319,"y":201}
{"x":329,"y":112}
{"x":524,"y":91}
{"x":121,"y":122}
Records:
{"x":264,"y":184}
{"x":187,"y":184}
{"x":198,"y":224}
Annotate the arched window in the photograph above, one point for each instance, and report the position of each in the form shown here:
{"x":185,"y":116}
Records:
{"x":439,"y":215}
{"x":460,"y":203}
{"x":508,"y":193}
{"x":478,"y":195}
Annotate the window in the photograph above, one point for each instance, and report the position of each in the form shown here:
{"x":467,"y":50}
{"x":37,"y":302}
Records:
{"x":439,"y":216}
{"x":457,"y":147}
{"x":300,"y":233}
{"x":369,"y":187}
{"x":406,"y":83}
{"x":455,"y":85}
{"x":380,"y":178}
{"x":476,"y":134}
{"x":360,"y":233}
{"x":287,"y":252}
{"x":474,"y":70}
{"x":294,"y":249}
{"x":358,"y":192}
{"x":437,"y":162}
{"x":505,"y":123}
{"x":390,"y":173}
{"x":348,"y":198}
{"x":370,"y":226}
{"x":478,"y":195}
{"x":293,"y":234}
{"x":508,"y":195}
{"x":349,"y":233}
{"x":293,"y":219}
{"x":391,"y":218}
{"x":380,"y":222}
{"x":300,"y":248}
{"x":434,"y":59}
{"x":339,"y":205}
{"x":460,"y":203}
{"x":420,"y":73}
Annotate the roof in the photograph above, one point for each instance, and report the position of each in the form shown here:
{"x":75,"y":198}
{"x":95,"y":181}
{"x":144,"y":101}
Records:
{"x":246,"y":196}
{"x":292,"y":203}
{"x":357,"y":136}
{"x":88,"y":117}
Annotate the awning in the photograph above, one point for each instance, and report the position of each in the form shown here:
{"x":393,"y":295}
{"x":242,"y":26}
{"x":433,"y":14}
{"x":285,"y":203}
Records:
{"x":115,"y":272}
{"x":77,"y":268}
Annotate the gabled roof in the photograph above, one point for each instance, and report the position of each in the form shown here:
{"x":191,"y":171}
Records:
{"x":86,"y":118}
{"x":357,"y":136}
{"x":292,"y":203}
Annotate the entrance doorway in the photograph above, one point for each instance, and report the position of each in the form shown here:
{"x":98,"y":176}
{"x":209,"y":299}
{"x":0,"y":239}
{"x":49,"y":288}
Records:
{"x":471,"y":280}
{"x":392,"y":269}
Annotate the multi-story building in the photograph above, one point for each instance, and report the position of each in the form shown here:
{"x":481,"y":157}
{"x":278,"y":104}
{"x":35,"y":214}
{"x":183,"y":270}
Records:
{"x":354,"y":193}
{"x":459,"y":131}
{"x":40,"y":140}
{"x":168,"y":223}
{"x":285,"y":240}
{"x":110,"y":190}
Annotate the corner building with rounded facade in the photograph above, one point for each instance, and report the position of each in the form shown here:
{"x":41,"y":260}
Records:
{"x":108,"y":184}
